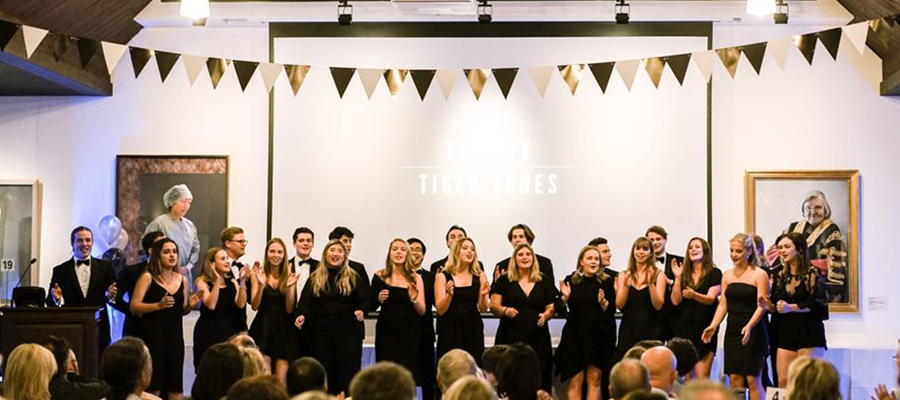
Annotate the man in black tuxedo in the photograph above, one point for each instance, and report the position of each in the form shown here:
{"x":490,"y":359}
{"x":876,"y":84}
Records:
{"x":521,"y":233}
{"x":303,"y":265}
{"x":426,"y":322}
{"x":235,"y":245}
{"x":126,"y":280}
{"x":658,"y":238}
{"x":345,"y":235}
{"x":84,"y":281}
{"x":455,"y":233}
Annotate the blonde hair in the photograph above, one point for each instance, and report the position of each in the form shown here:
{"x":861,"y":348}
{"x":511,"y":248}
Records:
{"x":512,"y":271}
{"x":28,"y":372}
{"x":253,"y":361}
{"x":470,"y":388}
{"x":579,"y":270}
{"x":209,"y":265}
{"x":269,"y":268}
{"x":453,"y":262}
{"x":640,"y":243}
{"x":408,"y":265}
{"x":746,"y":241}
{"x":346,"y":277}
{"x":813,"y":379}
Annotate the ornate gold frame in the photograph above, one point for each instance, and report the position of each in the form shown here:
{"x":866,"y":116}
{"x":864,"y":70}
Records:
{"x":852,"y":179}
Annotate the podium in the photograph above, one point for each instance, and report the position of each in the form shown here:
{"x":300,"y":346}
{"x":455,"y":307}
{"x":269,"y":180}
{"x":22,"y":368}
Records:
{"x":32,"y":325}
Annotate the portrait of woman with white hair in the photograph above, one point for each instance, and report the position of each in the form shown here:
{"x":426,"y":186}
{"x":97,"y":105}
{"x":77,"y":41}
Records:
{"x":180,"y":229}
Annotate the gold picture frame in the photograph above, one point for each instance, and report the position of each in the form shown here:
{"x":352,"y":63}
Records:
{"x":774,"y":203}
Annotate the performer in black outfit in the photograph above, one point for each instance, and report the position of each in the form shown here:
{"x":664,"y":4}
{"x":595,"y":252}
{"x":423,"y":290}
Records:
{"x":222,"y":302}
{"x":333,"y":306}
{"x":345,"y":235}
{"x":125,"y":282}
{"x":523,"y":300}
{"x":84,"y":281}
{"x":696,"y":294}
{"x":162,"y":299}
{"x":400,"y":293}
{"x":453,"y":234}
{"x":427,"y":367}
{"x":745,"y":335}
{"x":235,"y":244}
{"x":460,"y":295}
{"x":584,"y":348}
{"x":664,"y":261}
{"x":640,"y":297}
{"x":303,"y":265}
{"x":521,"y":233}
{"x":273,"y":297}
{"x":602,"y":246}
{"x":799,"y":298}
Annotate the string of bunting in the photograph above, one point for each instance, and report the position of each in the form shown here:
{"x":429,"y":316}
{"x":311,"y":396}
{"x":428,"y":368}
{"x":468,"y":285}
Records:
{"x":572,"y":74}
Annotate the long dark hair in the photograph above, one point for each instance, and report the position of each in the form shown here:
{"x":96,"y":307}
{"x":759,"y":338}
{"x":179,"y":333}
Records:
{"x":706,"y":264}
{"x":220,"y":368}
{"x":122,"y":366}
{"x":154,"y":266}
{"x":519,"y":373}
{"x":803,"y":263}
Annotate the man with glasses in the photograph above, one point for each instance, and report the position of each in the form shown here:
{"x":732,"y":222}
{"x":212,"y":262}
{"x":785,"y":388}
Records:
{"x":426,"y":321}
{"x":235,"y":246}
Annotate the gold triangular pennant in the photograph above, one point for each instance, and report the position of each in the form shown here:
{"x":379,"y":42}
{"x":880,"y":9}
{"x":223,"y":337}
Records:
{"x":571,"y":74}
{"x":477,"y":77}
{"x":139,"y":59}
{"x":87,"y":49}
{"x":754,"y":53}
{"x":342,"y":77}
{"x":296,"y":74}
{"x":245,"y":71}
{"x":59,"y":44}
{"x":730,"y":57}
{"x":394,"y":79}
{"x":216,"y":68}
{"x":422,"y":79}
{"x":655,"y":67}
{"x":807,"y":46}
{"x":831,"y":39}
{"x":369,"y":79}
{"x":679,"y":65}
{"x":165,"y":61}
{"x":505,"y":78}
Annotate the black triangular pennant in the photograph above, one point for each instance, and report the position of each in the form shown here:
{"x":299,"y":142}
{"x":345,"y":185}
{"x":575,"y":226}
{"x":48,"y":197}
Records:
{"x":60,"y":44}
{"x":422,"y":78}
{"x":807,"y":46}
{"x":7,"y":31}
{"x":342,"y":77}
{"x":755,"y":53}
{"x":602,"y":72}
{"x":245,"y":71}
{"x":505,"y":78}
{"x":831,"y":39}
{"x":139,"y":59}
{"x":216,"y":68}
{"x":679,"y":65}
{"x":87,"y":49}
{"x":165,"y":61}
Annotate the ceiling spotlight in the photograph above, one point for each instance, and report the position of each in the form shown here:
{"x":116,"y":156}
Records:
{"x":622,"y":11}
{"x":760,"y":7}
{"x":345,"y":13}
{"x":485,"y":12}
{"x":781,"y":12}
{"x":194,"y":9}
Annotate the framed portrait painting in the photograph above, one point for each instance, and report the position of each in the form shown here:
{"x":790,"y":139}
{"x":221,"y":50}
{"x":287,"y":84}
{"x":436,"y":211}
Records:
{"x":20,"y":235}
{"x":823,"y":206}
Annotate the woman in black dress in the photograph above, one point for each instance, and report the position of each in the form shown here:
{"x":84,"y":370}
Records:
{"x":523,"y":300}
{"x":333,"y":305}
{"x":743,"y":288}
{"x":161,"y":299}
{"x":400,"y":294}
{"x":460,"y":295}
{"x":799,"y":298}
{"x":222,"y":303}
{"x":696,"y":293}
{"x":640,"y":295}
{"x":273,"y":297}
{"x":587,"y":343}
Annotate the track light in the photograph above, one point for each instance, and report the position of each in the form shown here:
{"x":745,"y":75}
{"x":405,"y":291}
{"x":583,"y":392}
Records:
{"x":196,"y":10}
{"x":345,"y":13}
{"x":485,"y":12}
{"x":622,"y":11}
{"x":781,"y":12}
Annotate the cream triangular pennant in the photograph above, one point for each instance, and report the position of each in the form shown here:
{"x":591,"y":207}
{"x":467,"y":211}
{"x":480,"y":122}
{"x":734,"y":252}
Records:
{"x":112,"y":53}
{"x":33,"y":38}
{"x":857,"y":34}
{"x":627,"y":71}
{"x":704,"y":60}
{"x":779,"y":48}
{"x":541,"y":78}
{"x":369,"y":78}
{"x":446,"y":80}
{"x":193,"y":65}
{"x":270,"y":74}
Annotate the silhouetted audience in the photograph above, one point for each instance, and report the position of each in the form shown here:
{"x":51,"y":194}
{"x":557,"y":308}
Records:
{"x":261,"y":387}
{"x":306,"y":374}
{"x":384,"y":380}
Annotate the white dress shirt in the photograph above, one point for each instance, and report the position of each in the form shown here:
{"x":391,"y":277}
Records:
{"x":301,"y":268}
{"x":83,"y":272}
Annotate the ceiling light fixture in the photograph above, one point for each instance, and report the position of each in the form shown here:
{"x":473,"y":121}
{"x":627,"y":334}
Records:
{"x":623,"y":10}
{"x":345,"y":13}
{"x":196,"y":10}
{"x":760,"y":7}
{"x":485,"y":12}
{"x":781,"y":12}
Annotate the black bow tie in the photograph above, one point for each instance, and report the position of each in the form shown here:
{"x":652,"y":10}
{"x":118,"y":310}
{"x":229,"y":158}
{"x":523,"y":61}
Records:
{"x":235,"y":263}
{"x":661,"y":259}
{"x":86,"y":261}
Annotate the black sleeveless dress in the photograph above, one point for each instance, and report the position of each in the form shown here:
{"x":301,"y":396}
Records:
{"x":396,"y":332}
{"x":589,"y":336}
{"x":640,"y":321}
{"x":273,"y":328}
{"x":694,"y":316}
{"x":217,"y":325}
{"x":743,"y":359}
{"x":801,"y":330}
{"x":164,"y":336}
{"x":461,"y":326}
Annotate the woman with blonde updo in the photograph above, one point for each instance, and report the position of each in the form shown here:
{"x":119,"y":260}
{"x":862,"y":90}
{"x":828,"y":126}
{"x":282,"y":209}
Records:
{"x":813,"y":379}
{"x":28,"y":372}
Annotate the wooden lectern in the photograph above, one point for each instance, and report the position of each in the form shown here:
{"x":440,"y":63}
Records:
{"x":33,"y":324}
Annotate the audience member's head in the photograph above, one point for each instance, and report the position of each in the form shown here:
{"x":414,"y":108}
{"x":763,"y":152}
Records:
{"x":60,"y":349}
{"x":660,"y":361}
{"x":685,"y":355}
{"x":383,"y":381}
{"x":254,"y":362}
{"x":28,"y":372}
{"x":262,"y":387}
{"x":454,"y":365}
{"x":704,"y":389}
{"x":470,"y":388}
{"x":519,"y":373}
{"x":489,"y":360}
{"x":813,"y":379}
{"x":634,"y":353}
{"x":243,"y":340}
{"x":306,"y":374}
{"x":72,"y":366}
{"x":627,"y":376}
{"x":645,"y":395}
{"x":314,"y":395}
{"x":220,"y":367}
{"x":126,"y":367}
{"x":646,"y":344}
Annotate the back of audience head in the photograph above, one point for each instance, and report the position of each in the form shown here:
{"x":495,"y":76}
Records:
{"x":627,"y":376}
{"x":813,"y":379}
{"x":313,"y":395}
{"x":518,"y":373}
{"x":126,"y":367}
{"x":254,"y":362}
{"x":306,"y":374}
{"x":646,"y":344}
{"x":645,"y":395}
{"x":470,"y":388}
{"x":28,"y":372}
{"x":243,"y":340}
{"x":220,"y":367}
{"x":262,"y":387}
{"x":661,"y":363}
{"x":634,"y":353}
{"x":383,"y":381}
{"x":489,"y":360}
{"x":454,"y":365}
{"x":704,"y":389}
{"x":685,"y":355}
{"x":60,"y":349}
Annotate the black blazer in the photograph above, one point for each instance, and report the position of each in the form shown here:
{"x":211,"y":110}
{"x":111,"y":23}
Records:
{"x":426,"y":321}
{"x":125,"y":283}
{"x":102,"y":276}
{"x":361,"y":270}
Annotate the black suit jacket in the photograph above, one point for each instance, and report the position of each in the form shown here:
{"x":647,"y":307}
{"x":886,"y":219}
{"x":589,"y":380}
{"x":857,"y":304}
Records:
{"x":76,"y":388}
{"x":426,"y":321}
{"x":102,"y":276}
{"x":125,"y":283}
{"x":544,"y":264}
{"x":669,"y":311}
{"x":361,"y":270}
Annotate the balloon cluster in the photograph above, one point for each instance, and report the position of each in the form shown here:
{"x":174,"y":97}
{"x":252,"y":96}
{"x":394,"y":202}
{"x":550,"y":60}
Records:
{"x":116,"y":238}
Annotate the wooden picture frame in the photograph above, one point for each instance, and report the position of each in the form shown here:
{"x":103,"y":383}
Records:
{"x":20,"y":234}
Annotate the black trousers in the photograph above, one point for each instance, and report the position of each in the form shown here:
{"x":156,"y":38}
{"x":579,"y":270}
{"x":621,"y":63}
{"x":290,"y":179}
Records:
{"x":341,"y":354}
{"x":428,"y":368}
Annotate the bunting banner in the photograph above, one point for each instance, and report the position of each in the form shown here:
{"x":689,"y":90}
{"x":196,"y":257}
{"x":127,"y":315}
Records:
{"x":779,"y":50}
{"x":33,"y":38}
{"x":571,"y":75}
{"x":139,"y":59}
{"x":679,"y":65}
{"x":628,"y":71}
{"x":342,"y":77}
{"x":602,"y":72}
{"x":807,"y":45}
{"x":755,"y":53}
{"x":369,"y":79}
{"x":270,"y":73}
{"x":296,"y":74}
{"x":831,"y":40}
{"x":87,"y":49}
{"x":704,"y":60}
{"x":856,"y":34}
{"x":477,"y":79}
{"x":730,"y":57}
{"x":655,"y":67}
{"x":60,"y":43}
{"x":505,"y":78}
{"x":882,"y":30}
{"x":165,"y":61}
{"x":192,"y":66}
{"x":216,"y":68}
{"x":394,"y":79}
{"x":446,"y":80}
{"x":541,"y":78}
{"x":112,"y":54}
{"x":7,"y":32}
{"x":422,"y":79}
{"x":245,"y":71}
